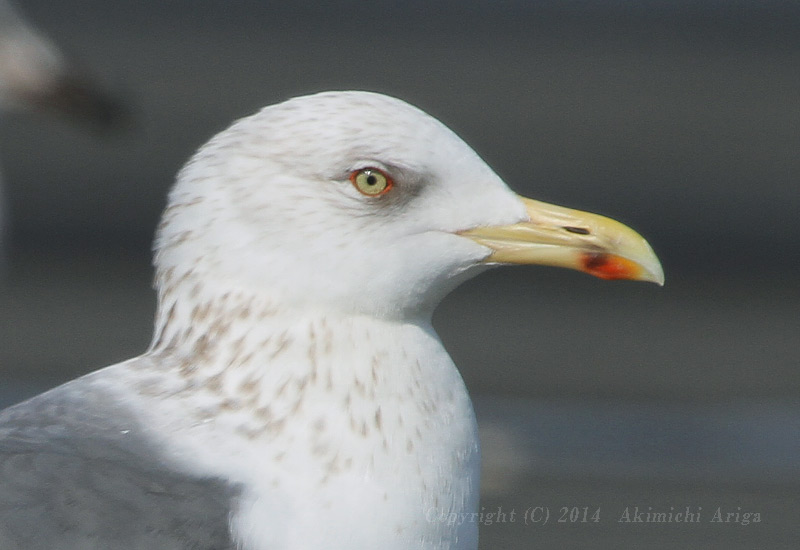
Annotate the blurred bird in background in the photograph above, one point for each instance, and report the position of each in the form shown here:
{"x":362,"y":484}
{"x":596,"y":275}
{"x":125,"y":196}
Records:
{"x":34,"y":75}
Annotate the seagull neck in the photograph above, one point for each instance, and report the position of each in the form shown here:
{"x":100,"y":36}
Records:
{"x":193,"y":319}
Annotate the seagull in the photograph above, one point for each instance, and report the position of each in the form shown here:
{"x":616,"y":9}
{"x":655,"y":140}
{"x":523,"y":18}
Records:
{"x":295,"y":394}
{"x":34,"y":75}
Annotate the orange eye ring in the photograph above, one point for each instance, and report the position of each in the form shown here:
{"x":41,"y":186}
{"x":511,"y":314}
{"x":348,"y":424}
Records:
{"x":372,"y":182}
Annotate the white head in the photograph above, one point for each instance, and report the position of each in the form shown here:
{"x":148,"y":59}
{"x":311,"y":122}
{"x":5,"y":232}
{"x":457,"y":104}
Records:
{"x":268,"y":206}
{"x":271,"y":207}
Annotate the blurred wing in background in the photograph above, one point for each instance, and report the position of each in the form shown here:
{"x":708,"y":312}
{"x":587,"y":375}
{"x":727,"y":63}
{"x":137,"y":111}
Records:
{"x":34,"y":75}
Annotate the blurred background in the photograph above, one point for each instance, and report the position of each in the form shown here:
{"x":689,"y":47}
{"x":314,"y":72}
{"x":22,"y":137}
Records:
{"x":680,"y":118}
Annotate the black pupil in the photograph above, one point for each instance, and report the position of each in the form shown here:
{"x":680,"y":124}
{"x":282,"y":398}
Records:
{"x":371,"y":179}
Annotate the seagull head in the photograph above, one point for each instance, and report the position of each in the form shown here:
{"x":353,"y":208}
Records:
{"x":361,"y":203}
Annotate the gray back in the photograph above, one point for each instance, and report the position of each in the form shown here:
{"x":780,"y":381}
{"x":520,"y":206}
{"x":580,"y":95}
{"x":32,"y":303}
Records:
{"x":76,"y":473}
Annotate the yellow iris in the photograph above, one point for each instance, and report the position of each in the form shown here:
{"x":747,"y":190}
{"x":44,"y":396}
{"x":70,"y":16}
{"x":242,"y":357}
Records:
{"x":371,"y":181}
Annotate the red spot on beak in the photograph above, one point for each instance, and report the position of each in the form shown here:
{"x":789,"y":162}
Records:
{"x":608,"y":266}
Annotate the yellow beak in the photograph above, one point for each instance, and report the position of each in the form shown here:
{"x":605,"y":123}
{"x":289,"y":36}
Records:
{"x":562,"y":237}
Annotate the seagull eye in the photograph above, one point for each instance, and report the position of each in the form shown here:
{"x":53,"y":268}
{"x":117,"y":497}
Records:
{"x":371,"y":181}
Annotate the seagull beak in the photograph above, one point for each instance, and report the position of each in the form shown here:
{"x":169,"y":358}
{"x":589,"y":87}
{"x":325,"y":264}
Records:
{"x":562,"y":237}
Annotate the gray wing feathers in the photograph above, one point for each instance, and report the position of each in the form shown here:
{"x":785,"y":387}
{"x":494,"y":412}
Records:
{"x":75,"y":474}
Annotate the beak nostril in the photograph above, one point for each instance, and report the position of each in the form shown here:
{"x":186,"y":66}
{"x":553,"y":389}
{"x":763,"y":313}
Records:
{"x":578,"y":230}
